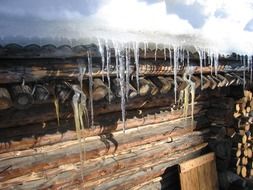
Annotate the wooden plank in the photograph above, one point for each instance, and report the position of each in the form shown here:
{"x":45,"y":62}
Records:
{"x":186,"y":166}
{"x":199,"y":173}
{"x":189,"y":179}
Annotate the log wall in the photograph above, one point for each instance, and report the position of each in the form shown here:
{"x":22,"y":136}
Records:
{"x":38,"y":152}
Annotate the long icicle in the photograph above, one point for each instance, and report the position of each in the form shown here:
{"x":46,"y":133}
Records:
{"x":90,"y":88}
{"x":127,"y":52}
{"x":108,"y":61}
{"x":102,"y":53}
{"x":175,"y":72}
{"x":80,"y":110}
{"x":244,"y":71}
{"x":122,"y":89}
{"x":136,"y":59}
{"x":200,"y":52}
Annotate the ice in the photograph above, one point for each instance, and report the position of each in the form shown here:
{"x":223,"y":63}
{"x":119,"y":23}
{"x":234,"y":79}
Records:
{"x":170,"y":57}
{"x":216,"y":62}
{"x":200,"y":52}
{"x":155,"y":51}
{"x":136,"y":60}
{"x":128,"y":60}
{"x":175,"y":51}
{"x":90,"y":88}
{"x":108,"y":61}
{"x":116,"y":52}
{"x":102,"y":53}
{"x":244,"y":70}
{"x":188,"y":58}
{"x":122,"y":88}
{"x":164,"y":52}
{"x":251,"y":63}
{"x":145,"y":49}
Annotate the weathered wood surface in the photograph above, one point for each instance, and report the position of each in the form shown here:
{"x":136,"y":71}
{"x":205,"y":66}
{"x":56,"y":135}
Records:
{"x":168,"y":180}
{"x":47,"y":157}
{"x":199,"y":173}
{"x":50,"y":50}
{"x":46,"y":112}
{"x":36,"y":135}
{"x":5,"y":99}
{"x":129,"y":179}
{"x":99,"y":170}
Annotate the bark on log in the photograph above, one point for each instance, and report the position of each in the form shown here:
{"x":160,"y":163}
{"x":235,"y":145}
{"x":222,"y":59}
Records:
{"x":98,"y":172}
{"x":100,"y":90}
{"x":36,"y":135}
{"x":5,"y":99}
{"x":22,"y":95}
{"x":65,"y":153}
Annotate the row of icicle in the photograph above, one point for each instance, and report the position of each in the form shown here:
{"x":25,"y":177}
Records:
{"x":123,"y":61}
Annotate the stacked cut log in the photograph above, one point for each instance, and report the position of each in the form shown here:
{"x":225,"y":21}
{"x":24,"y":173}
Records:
{"x":243,"y":138}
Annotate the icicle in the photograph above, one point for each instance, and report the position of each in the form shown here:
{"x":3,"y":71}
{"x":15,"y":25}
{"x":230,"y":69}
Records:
{"x":108,"y":61}
{"x":57,"y":110}
{"x":216,"y":63}
{"x":175,"y":72}
{"x":190,"y":87}
{"x":116,"y":58}
{"x":80,"y":110}
{"x":183,"y":56}
{"x":251,"y":64}
{"x":244,"y":70}
{"x":188,"y":59}
{"x":204,"y":57}
{"x":145,"y":49}
{"x":82,"y":70}
{"x":102,"y":53}
{"x":211,"y":62}
{"x":155,"y":50}
{"x":248,"y":63}
{"x":90,"y":88}
{"x":122,"y":89}
{"x":127,"y":70}
{"x":136,"y":60}
{"x":164,"y":52}
{"x":200,"y":52}
{"x":170,"y":57}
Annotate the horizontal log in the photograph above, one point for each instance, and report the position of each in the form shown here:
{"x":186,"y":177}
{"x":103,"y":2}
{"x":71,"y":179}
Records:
{"x":5,"y":99}
{"x":46,"y":112}
{"x":168,"y":180}
{"x":130,"y":178}
{"x":18,"y":70}
{"x":48,"y":157}
{"x":36,"y":135}
{"x":95,"y":170}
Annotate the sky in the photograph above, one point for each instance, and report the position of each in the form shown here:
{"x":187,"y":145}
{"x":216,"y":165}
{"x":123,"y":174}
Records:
{"x":224,"y":25}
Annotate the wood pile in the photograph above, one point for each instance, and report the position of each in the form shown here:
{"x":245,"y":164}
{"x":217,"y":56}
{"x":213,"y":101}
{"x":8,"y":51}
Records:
{"x":243,"y":136}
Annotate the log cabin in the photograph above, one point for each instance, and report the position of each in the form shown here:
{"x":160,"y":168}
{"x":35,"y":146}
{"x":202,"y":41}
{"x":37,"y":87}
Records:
{"x":76,"y":118}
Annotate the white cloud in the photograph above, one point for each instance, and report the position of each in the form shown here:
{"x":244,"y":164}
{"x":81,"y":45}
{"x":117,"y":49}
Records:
{"x":218,"y":23}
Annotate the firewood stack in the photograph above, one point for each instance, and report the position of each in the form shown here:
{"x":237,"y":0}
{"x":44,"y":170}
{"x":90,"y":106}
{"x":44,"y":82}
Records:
{"x":243,"y":137}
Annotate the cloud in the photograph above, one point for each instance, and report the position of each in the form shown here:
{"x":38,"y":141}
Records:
{"x":206,"y":23}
